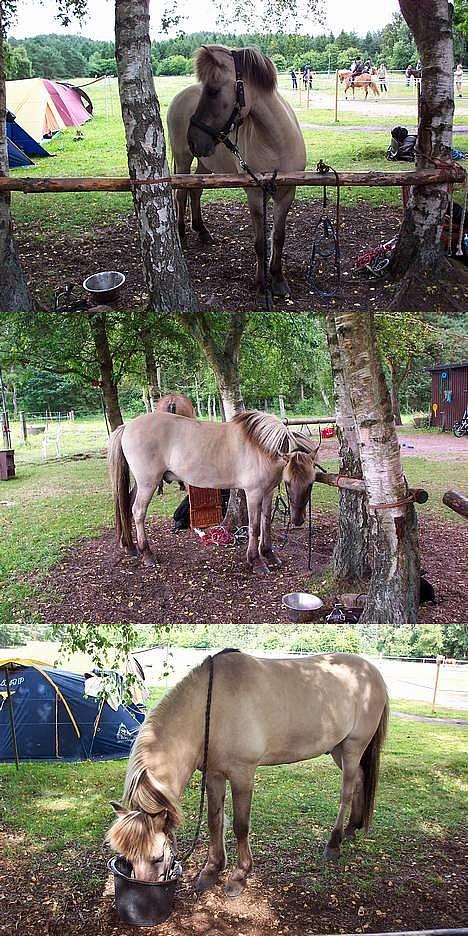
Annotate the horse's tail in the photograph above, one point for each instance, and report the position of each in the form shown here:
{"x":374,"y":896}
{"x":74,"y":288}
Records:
{"x":120,"y":479}
{"x":370,"y":762}
{"x":132,"y":834}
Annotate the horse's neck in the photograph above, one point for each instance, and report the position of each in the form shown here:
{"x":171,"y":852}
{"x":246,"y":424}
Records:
{"x":268,"y":133}
{"x":174,"y":738}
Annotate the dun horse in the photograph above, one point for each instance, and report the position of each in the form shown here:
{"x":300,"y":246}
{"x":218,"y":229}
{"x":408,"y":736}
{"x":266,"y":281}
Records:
{"x":180,"y":405}
{"x":364,"y":80}
{"x":238,"y":98}
{"x":254,"y":451}
{"x":263,"y":712}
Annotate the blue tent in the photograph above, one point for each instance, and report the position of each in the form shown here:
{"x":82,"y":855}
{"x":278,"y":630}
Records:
{"x":16,"y":157}
{"x":50,"y":717}
{"x":21,"y":144}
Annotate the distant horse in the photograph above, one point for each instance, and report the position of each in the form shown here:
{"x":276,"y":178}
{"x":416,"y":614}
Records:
{"x":365,"y":81}
{"x":237,"y":98}
{"x":254,"y":451}
{"x":264,"y":712}
{"x":180,"y":405}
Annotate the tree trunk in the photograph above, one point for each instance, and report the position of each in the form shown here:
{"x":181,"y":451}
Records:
{"x":14,"y":292}
{"x":395,"y":394}
{"x":351,"y":553}
{"x":151,"y":366}
{"x":166,"y":271}
{"x":393,"y":595}
{"x":97,"y":324}
{"x":419,"y":248}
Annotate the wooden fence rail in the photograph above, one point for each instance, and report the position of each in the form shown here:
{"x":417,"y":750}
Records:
{"x":436,"y":176}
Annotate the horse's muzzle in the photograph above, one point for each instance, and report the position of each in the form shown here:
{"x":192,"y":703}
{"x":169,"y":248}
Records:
{"x":200,"y":143}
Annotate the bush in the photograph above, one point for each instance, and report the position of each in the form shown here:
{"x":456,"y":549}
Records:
{"x":174,"y":65}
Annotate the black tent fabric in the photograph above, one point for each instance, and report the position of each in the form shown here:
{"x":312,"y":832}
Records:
{"x":46,"y":715}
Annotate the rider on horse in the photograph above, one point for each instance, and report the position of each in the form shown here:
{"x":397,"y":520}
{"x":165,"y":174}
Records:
{"x":357,"y":68}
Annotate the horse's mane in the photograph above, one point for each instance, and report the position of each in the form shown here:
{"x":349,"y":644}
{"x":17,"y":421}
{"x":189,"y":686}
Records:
{"x":255,"y":67}
{"x":270,"y":435}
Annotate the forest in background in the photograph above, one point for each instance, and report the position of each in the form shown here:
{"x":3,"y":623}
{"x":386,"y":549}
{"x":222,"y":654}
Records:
{"x":66,"y":56}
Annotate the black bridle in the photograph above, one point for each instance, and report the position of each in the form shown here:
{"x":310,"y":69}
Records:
{"x":235,"y":119}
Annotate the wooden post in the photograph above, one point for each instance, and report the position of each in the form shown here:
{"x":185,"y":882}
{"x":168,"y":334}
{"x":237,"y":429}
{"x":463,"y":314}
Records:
{"x":358,"y":485}
{"x":336,"y":96}
{"x":439,"y":660}
{"x":457,"y":502}
{"x":23,"y":427}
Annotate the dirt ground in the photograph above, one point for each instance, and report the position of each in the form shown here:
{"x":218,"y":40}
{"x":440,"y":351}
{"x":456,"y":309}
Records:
{"x":212,"y":584}
{"x":440,"y":446}
{"x":43,"y":896}
{"x":223,"y":272}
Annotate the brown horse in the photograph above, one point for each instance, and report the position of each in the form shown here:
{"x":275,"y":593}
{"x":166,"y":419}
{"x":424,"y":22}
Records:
{"x":264,"y":711}
{"x":180,"y":405}
{"x":365,"y":81}
{"x":254,"y":451}
{"x":238,"y":98}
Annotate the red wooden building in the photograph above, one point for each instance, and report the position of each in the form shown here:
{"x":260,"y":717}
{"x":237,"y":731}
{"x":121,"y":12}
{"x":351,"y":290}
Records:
{"x":449,"y":393}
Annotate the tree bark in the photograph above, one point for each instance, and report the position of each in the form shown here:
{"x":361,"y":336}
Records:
{"x":393,"y":596}
{"x":151,"y":366}
{"x":97,"y":324}
{"x":14,"y":291}
{"x":351,"y":553}
{"x":166,"y":271}
{"x":419,"y":246}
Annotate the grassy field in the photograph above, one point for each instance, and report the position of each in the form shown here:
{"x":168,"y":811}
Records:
{"x":102,"y":151}
{"x":56,"y":812}
{"x":51,"y":505}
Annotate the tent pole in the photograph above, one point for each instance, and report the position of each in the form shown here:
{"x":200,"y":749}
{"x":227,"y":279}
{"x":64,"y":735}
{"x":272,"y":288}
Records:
{"x":12,"y":720}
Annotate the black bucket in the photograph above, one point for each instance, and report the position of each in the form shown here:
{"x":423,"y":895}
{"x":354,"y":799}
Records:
{"x":142,"y":903}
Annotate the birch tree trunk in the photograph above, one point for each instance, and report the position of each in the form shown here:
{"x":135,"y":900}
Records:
{"x":419,"y":248}
{"x":97,"y":324}
{"x":166,"y":271}
{"x":14,"y":292}
{"x":151,"y":367}
{"x":351,"y":553}
{"x":393,"y":596}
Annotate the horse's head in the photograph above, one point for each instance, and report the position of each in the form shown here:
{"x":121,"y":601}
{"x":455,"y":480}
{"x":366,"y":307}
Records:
{"x":228,"y":78}
{"x":144,"y":838}
{"x":299,"y":476}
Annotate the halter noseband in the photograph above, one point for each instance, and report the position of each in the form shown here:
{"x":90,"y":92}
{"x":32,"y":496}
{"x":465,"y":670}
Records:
{"x":235,"y":119}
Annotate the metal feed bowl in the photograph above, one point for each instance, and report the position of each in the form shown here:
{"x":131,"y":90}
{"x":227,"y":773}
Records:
{"x":104,"y":286}
{"x":142,"y":903}
{"x":301,"y":607}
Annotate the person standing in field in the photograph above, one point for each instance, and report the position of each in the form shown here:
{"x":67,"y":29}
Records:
{"x":294,"y":79}
{"x":459,"y":79}
{"x":382,"y":76}
{"x":408,"y":74}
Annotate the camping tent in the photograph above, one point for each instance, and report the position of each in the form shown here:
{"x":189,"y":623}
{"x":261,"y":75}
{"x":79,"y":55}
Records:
{"x":48,"y":714}
{"x":20,"y":144}
{"x":42,"y":107}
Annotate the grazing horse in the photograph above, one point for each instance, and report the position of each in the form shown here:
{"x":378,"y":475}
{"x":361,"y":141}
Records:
{"x":263,"y":712}
{"x":180,"y":405}
{"x":254,"y":451}
{"x":237,"y":98}
{"x":364,"y":80}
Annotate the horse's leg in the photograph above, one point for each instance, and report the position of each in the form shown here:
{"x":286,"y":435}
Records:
{"x":216,"y":861}
{"x":242,"y":789}
{"x":255,"y":202}
{"x":281,"y":206}
{"x":198,"y":224}
{"x":350,"y":761}
{"x":182,"y":163}
{"x":255,"y":560}
{"x":355,"y":818}
{"x":266,"y":549}
{"x":144,"y":494}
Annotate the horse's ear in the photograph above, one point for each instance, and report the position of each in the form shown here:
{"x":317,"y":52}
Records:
{"x":119,"y":809}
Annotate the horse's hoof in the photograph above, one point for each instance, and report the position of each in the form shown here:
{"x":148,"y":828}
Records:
{"x":260,"y":568}
{"x":234,"y":886}
{"x":205,"y":237}
{"x":350,"y":833}
{"x":148,"y":559}
{"x":280,"y":289}
{"x":331,"y":853}
{"x":205,"y":880}
{"x":273,"y":560}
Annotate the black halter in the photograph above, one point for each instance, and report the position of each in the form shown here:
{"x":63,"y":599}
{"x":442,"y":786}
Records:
{"x":235,"y":119}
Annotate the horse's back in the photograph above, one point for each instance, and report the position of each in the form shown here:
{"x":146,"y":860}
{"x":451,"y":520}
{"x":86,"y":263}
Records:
{"x":289,"y":709}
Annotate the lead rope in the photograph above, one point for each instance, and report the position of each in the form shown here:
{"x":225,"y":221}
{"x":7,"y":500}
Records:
{"x":459,"y":251}
{"x":205,"y":761}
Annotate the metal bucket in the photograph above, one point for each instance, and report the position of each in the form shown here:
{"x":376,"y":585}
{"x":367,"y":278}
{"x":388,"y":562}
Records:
{"x":301,"y":607}
{"x":142,"y":903}
{"x":104,"y":286}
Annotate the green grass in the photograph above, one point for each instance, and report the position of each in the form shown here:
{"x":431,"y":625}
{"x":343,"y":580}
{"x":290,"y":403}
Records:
{"x":49,"y":506}
{"x":416,"y":707}
{"x":102,"y":152}
{"x":55,"y":807}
